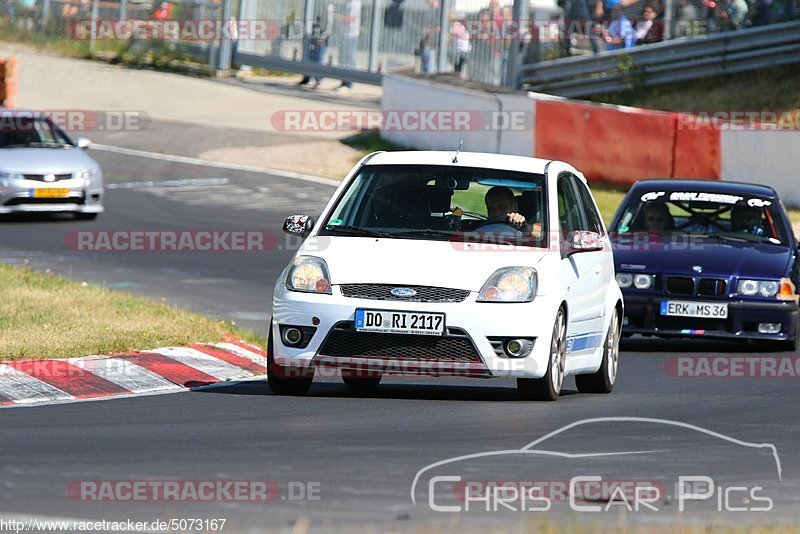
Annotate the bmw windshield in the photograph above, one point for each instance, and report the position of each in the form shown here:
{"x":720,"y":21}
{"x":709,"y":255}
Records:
{"x":712,"y":215}
{"x":441,"y":203}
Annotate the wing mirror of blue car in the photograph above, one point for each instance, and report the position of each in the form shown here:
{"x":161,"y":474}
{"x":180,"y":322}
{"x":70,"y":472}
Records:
{"x":584,"y":241}
{"x":299,"y":225}
{"x":83,"y":142}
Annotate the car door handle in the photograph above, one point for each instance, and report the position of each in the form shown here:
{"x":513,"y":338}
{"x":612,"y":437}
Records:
{"x":597,"y":268}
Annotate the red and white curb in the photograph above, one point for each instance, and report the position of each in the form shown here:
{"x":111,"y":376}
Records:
{"x":166,"y":369}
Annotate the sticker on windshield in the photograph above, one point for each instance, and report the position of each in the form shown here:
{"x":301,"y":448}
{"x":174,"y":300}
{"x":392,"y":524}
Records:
{"x":335,"y":222}
{"x":758,"y":203}
{"x":652,"y":195}
{"x":705,"y":197}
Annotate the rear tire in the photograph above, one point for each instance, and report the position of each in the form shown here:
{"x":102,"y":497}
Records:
{"x":603,"y":380}
{"x":85,"y":216}
{"x":548,"y":388}
{"x":362,"y":384}
{"x":286,"y":380}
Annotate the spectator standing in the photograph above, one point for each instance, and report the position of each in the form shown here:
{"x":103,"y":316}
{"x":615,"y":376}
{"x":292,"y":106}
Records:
{"x":576,"y":13}
{"x":317,"y":47}
{"x":11,"y":11}
{"x":427,"y":42}
{"x":760,"y":13}
{"x":349,"y":30}
{"x":688,"y":20}
{"x":621,"y":33}
{"x":731,"y":14}
{"x":650,"y":29}
{"x":486,"y":50}
{"x":461,"y":45}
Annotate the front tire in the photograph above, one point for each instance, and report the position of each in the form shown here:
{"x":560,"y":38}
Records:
{"x":603,"y":380}
{"x":548,"y":388}
{"x":286,"y":380}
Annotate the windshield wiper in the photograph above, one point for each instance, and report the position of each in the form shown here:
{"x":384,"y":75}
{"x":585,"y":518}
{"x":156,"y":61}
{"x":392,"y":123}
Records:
{"x":48,"y":144}
{"x":423,"y":233}
{"x":355,"y":231}
{"x":735,"y":236}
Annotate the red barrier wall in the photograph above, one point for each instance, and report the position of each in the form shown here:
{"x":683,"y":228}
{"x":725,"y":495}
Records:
{"x":623,"y":145}
{"x":697,"y":150}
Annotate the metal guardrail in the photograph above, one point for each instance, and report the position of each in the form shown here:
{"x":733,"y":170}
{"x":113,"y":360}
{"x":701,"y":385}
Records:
{"x":667,"y":62}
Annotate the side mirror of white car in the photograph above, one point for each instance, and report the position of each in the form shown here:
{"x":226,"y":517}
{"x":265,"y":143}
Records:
{"x":585,"y":241}
{"x":299,"y":225}
{"x":83,"y":142}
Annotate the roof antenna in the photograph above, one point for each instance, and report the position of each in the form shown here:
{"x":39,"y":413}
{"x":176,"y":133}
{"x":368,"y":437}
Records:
{"x":455,"y":157}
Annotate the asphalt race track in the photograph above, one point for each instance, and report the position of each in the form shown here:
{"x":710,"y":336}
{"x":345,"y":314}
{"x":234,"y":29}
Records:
{"x":339,"y":459}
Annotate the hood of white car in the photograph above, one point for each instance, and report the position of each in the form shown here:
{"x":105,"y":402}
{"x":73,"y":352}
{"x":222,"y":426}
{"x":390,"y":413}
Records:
{"x":368,"y":260}
{"x":44,"y":160}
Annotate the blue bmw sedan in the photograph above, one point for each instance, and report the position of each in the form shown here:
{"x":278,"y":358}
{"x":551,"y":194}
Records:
{"x":698,"y":258}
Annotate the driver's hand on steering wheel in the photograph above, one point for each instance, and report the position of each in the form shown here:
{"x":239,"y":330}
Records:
{"x":515,"y":219}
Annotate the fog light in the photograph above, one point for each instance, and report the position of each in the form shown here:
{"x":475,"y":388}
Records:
{"x":292,"y":336}
{"x":769,"y":328}
{"x":518,"y":348}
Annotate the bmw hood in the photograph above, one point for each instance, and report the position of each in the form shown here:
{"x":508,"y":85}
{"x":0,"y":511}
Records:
{"x":44,"y":160}
{"x":365,"y":260}
{"x":756,"y":260}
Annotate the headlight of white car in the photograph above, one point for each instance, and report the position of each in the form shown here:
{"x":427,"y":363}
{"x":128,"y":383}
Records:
{"x":510,"y":284}
{"x":86,"y":175}
{"x":5,"y":175}
{"x":309,"y":274}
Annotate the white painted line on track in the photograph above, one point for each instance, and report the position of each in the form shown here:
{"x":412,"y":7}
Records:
{"x":124,"y":373}
{"x":243,"y":352}
{"x":216,"y":164}
{"x":201,"y":361}
{"x":21,"y":387}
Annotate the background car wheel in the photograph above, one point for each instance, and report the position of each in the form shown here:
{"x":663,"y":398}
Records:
{"x":362,"y":383}
{"x":85,"y":216}
{"x":603,"y":380}
{"x":286,"y":380}
{"x":548,"y":387}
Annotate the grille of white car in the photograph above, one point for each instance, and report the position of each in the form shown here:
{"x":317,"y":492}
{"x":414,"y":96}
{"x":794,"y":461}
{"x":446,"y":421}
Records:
{"x":42,"y":177}
{"x":344,"y":341}
{"x":423,"y":293}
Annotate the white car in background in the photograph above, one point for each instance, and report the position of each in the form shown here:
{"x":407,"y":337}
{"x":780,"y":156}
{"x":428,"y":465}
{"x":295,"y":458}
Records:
{"x":43,"y":170}
{"x":409,"y":272}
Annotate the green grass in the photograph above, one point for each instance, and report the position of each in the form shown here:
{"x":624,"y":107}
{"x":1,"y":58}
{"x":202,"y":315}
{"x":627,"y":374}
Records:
{"x":47,"y":316}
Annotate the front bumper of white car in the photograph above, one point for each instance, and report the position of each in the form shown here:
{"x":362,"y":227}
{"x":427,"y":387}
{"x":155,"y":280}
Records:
{"x":472,"y":345}
{"x":67,"y":194}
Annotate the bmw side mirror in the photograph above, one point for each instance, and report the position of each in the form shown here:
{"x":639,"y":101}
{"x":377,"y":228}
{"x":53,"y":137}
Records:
{"x":83,"y":142}
{"x":585,"y":241}
{"x":299,"y":225}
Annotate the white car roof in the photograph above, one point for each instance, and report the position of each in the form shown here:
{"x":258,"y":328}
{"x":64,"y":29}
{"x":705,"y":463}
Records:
{"x":465,"y":159}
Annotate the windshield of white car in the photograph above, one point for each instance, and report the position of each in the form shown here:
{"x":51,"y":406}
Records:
{"x":441,"y":203}
{"x":30,"y":132}
{"x":726,"y":218}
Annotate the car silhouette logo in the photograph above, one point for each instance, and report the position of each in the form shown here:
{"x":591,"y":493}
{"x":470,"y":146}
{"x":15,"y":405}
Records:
{"x":403,"y":292}
{"x":49,"y":177}
{"x":697,"y":268}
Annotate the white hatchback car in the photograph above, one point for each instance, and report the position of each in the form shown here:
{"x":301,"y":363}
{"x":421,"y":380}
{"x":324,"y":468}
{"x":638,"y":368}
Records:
{"x":442,"y":264}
